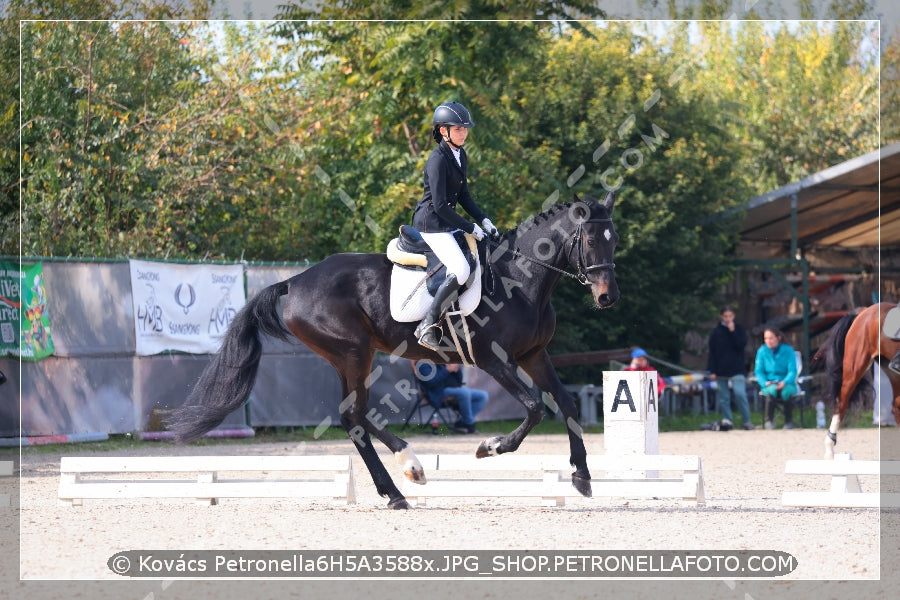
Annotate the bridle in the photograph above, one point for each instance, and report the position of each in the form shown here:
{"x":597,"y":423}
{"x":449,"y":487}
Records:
{"x":582,"y":272}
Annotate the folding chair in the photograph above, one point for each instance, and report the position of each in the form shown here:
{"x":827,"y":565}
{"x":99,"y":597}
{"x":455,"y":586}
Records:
{"x":448,"y":404}
{"x":798,"y":400}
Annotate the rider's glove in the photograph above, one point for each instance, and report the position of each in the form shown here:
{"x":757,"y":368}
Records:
{"x":478,"y":232}
{"x":489,"y":227}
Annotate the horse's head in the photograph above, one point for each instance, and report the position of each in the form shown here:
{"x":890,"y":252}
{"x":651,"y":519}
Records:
{"x":593,"y":247}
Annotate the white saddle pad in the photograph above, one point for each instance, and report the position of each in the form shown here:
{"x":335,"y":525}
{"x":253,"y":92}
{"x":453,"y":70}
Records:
{"x":891,"y":326}
{"x":410,"y":300}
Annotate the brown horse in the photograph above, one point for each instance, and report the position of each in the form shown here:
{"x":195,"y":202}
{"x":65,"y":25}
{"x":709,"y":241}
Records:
{"x":852,"y":345}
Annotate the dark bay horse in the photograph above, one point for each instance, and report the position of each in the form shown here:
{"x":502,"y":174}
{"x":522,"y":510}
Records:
{"x":854,"y":342}
{"x":340,"y":309}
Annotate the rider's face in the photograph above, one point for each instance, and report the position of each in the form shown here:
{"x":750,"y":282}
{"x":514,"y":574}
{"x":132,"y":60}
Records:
{"x":456,"y":133}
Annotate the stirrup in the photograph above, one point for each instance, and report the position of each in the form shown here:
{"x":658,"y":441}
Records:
{"x":426,"y":334}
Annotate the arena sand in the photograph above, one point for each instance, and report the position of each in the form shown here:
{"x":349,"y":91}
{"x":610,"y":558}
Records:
{"x":837,"y":550}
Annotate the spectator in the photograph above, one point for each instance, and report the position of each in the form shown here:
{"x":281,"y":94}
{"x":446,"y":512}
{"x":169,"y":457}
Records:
{"x":776,"y":373}
{"x":726,"y":366}
{"x":440,"y":381}
{"x":641,"y":362}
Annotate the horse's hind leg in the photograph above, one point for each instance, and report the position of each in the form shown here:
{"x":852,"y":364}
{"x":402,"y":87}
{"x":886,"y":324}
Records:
{"x":854,"y":367}
{"x":361,"y":423}
{"x":375,"y":424}
{"x":355,"y":419}
{"x":831,"y":436}
{"x":539,"y":367}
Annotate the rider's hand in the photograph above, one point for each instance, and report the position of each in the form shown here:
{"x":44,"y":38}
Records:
{"x":478,"y":232}
{"x":489,"y":227}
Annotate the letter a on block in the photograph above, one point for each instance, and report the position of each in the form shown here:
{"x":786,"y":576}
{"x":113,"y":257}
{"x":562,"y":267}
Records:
{"x":623,"y":389}
{"x":651,"y":396}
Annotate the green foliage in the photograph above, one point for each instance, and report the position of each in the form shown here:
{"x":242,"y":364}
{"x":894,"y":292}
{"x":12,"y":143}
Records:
{"x":304,"y":138}
{"x":799,"y":99}
{"x":617,"y":105}
{"x":890,"y":91}
{"x":21,"y":10}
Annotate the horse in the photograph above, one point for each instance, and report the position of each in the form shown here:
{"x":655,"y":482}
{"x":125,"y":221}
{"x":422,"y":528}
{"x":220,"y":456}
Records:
{"x":339,"y":308}
{"x":853,"y":344}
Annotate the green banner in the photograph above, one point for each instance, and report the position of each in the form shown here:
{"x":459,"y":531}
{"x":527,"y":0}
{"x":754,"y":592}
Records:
{"x":24,"y":322}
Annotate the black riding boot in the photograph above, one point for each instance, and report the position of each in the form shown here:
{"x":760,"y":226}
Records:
{"x":429,"y":331}
{"x":895,"y":363}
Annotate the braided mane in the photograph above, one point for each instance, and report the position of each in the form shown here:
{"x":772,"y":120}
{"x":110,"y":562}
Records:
{"x":537,"y":219}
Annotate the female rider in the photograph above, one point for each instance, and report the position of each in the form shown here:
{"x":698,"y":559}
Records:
{"x":436,"y":218}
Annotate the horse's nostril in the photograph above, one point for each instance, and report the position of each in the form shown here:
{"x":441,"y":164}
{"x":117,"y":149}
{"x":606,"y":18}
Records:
{"x":603,"y":299}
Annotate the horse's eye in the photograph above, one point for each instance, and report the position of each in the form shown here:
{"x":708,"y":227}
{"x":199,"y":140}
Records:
{"x":591,"y":242}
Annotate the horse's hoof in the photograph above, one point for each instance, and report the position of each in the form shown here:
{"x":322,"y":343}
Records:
{"x":583,"y":485}
{"x":487,"y":448}
{"x":416,"y":475}
{"x":412,"y":468}
{"x":399,"y":504}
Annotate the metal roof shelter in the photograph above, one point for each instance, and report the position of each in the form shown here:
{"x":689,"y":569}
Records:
{"x":853,"y":206}
{"x":839,"y":206}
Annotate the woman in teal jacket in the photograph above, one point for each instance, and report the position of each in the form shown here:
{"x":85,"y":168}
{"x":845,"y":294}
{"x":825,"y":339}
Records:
{"x":776,"y":373}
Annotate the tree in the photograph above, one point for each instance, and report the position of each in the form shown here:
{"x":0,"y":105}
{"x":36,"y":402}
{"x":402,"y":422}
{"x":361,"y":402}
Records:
{"x":611,"y":113}
{"x":195,"y":140}
{"x":86,"y":118}
{"x":890,"y":91}
{"x":19,"y":11}
{"x":798,"y":101}
{"x":378,"y":84}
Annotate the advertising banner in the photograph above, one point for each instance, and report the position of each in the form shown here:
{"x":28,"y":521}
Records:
{"x":24,"y":320}
{"x":184,"y":308}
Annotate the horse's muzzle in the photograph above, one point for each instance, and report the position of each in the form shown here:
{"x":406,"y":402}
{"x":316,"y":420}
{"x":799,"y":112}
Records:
{"x":605,"y":293}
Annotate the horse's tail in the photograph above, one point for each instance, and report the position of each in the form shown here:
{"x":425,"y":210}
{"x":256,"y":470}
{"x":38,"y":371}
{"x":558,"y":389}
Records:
{"x":226,"y":382}
{"x":833,"y":350}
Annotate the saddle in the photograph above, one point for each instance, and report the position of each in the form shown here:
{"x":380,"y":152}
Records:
{"x":418,"y":273}
{"x":891,"y":326}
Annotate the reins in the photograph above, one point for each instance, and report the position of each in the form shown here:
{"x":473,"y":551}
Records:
{"x":580,"y":275}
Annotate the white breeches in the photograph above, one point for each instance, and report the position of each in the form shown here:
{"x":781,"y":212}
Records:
{"x":447,"y":250}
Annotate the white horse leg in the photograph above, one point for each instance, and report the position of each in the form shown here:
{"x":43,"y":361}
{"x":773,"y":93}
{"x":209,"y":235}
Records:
{"x":412,"y":468}
{"x":831,"y":437}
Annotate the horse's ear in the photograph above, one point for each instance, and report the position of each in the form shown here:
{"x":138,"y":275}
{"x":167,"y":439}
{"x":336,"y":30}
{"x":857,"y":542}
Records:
{"x":577,"y":199}
{"x":610,"y":201}
{"x":580,"y":210}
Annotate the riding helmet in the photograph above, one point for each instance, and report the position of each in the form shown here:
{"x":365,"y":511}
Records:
{"x":448,"y":114}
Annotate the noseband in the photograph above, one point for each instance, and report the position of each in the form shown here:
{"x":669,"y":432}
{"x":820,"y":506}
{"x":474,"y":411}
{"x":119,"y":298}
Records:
{"x":583,"y":271}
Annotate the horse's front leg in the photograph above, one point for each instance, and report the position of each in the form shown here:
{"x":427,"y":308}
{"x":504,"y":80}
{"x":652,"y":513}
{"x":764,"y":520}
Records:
{"x":515,"y":381}
{"x":539,"y":367}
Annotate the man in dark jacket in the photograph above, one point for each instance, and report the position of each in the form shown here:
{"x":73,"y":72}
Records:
{"x":726,"y":366}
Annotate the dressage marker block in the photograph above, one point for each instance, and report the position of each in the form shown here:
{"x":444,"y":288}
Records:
{"x":630,"y":412}
{"x":845,"y":489}
{"x":550,"y":477}
{"x":206,"y":486}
